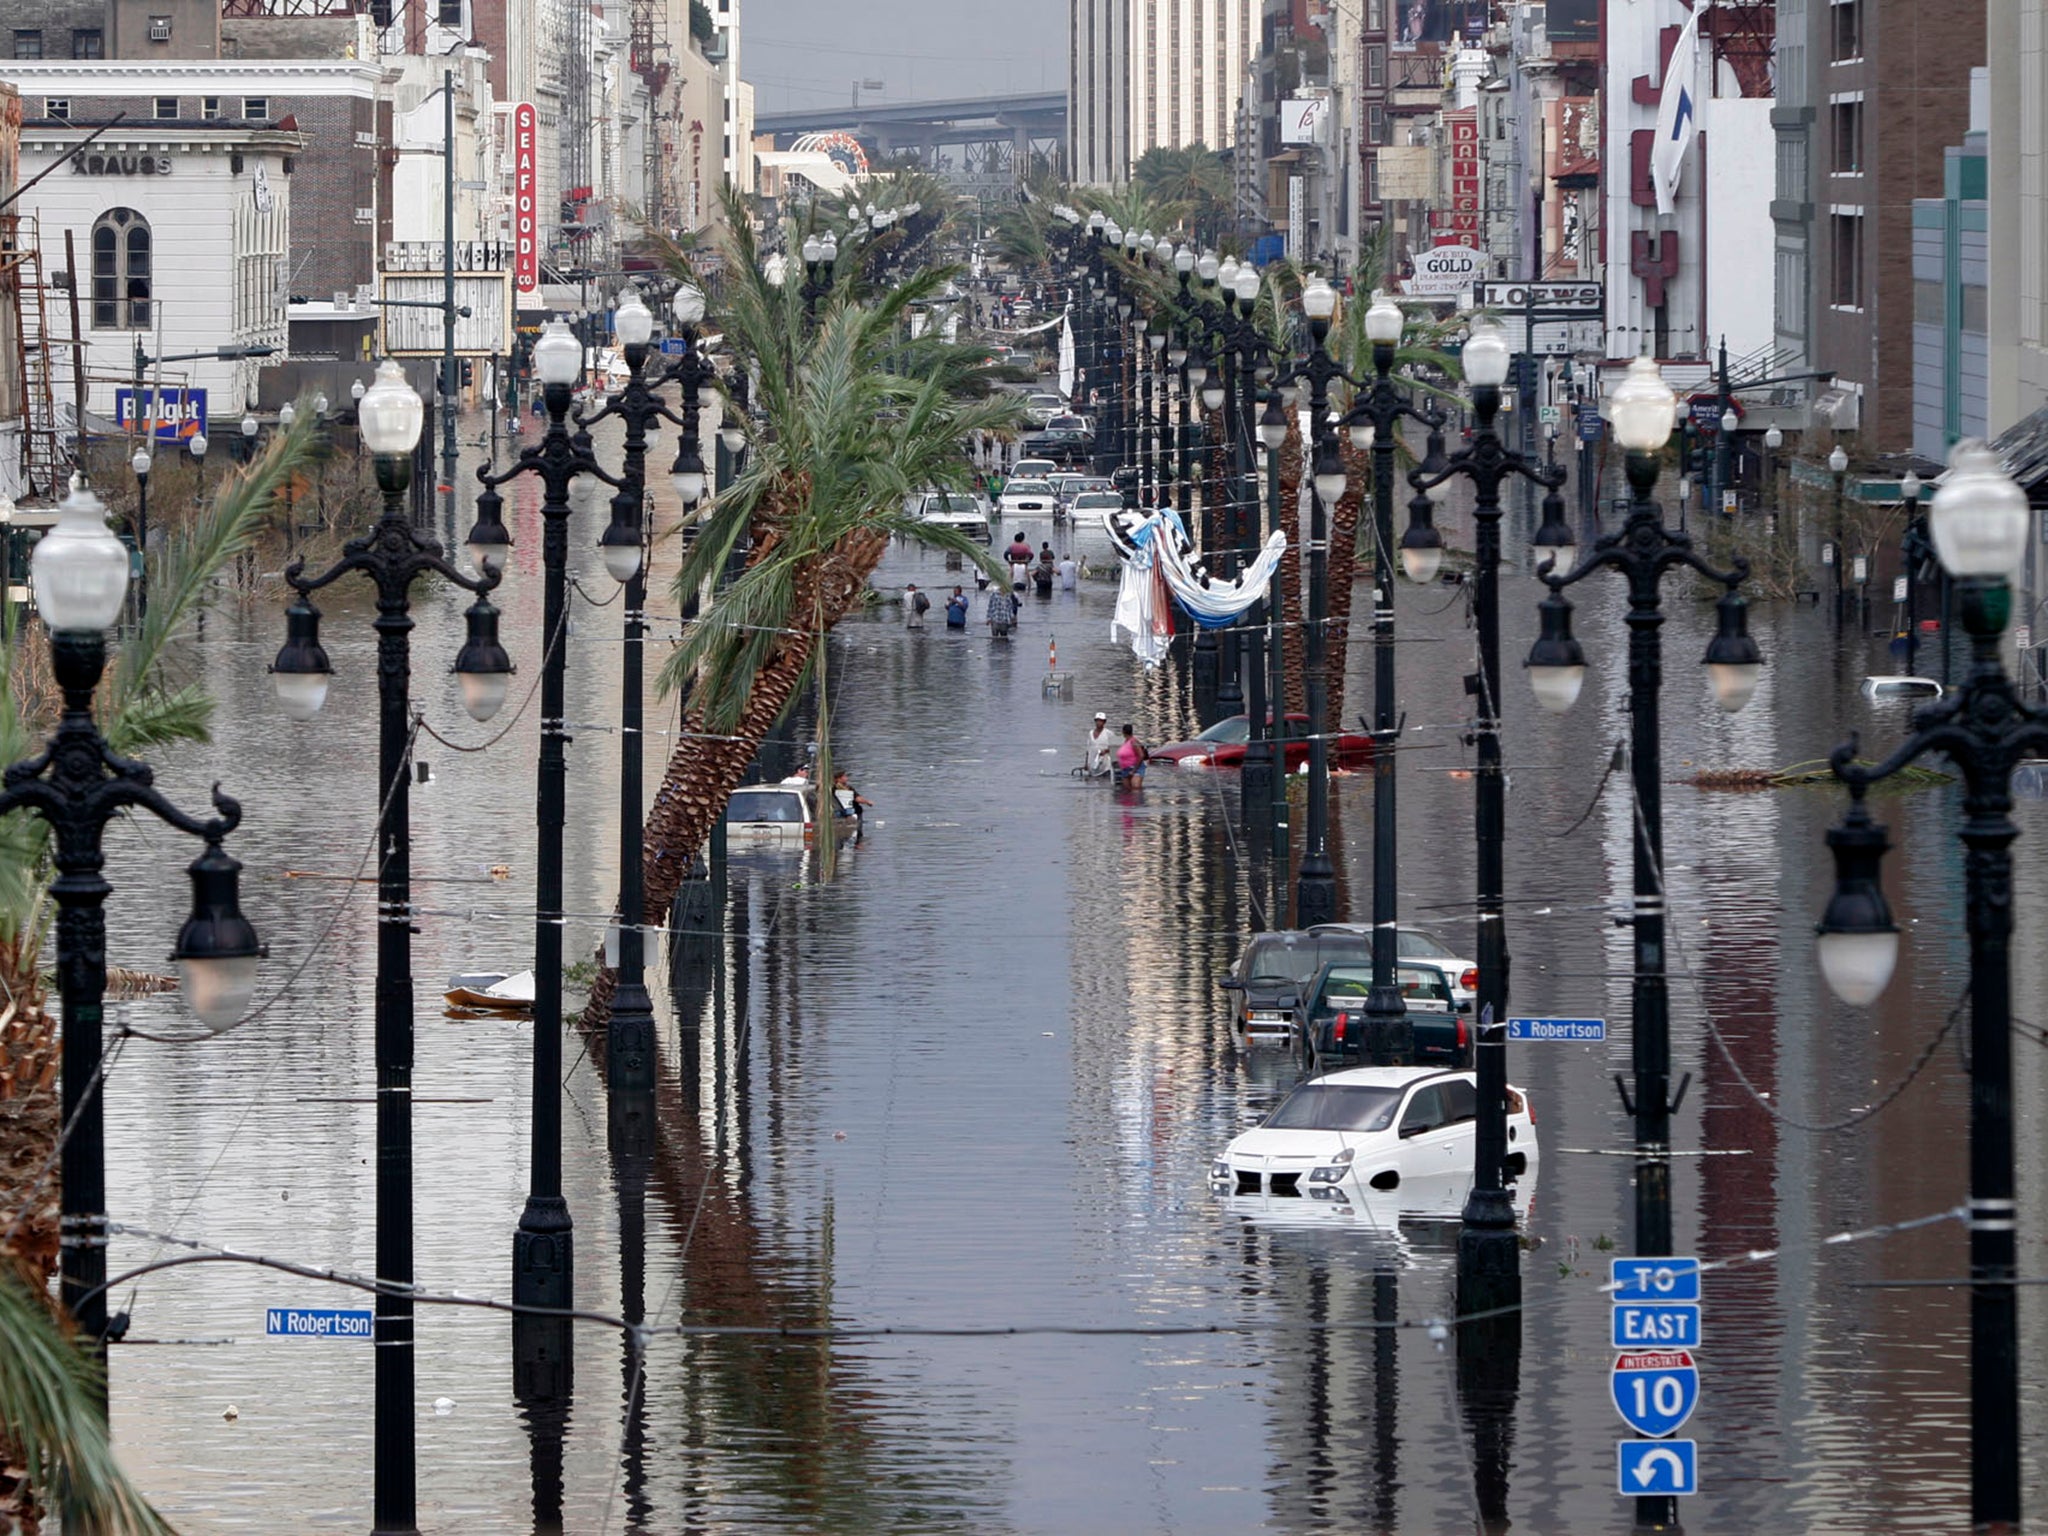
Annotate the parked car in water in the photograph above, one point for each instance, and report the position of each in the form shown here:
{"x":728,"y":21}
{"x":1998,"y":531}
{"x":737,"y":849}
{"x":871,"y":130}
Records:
{"x":1222,"y":746}
{"x":1089,"y":506}
{"x":1033,"y":469}
{"x":956,"y":509}
{"x":1274,"y":969}
{"x":1066,"y":439}
{"x":1034,"y":496}
{"x":1329,"y":1015}
{"x":771,"y":815}
{"x":1414,"y":946}
{"x":1373,"y":1130}
{"x":1042,"y":406}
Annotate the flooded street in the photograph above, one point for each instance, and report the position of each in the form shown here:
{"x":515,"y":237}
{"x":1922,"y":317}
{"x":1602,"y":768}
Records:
{"x":976,"y":1082}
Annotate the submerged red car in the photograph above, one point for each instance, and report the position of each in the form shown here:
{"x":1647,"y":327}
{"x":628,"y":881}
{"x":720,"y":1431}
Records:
{"x":1222,"y":746}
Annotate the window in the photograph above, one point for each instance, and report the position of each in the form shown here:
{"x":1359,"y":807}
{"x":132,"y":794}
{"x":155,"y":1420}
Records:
{"x":1375,"y":66}
{"x":256,"y":108}
{"x":209,"y":107}
{"x":120,"y":271}
{"x":1425,"y":1113}
{"x":1848,"y":132}
{"x":166,"y":108}
{"x":1792,"y":167}
{"x":1791,"y":291}
{"x":1846,"y":272}
{"x":450,"y":13}
{"x":87,"y":43}
{"x":58,"y":107}
{"x":1846,"y":31}
{"x":1461,"y":1103}
{"x":1372,"y":178}
{"x":28,"y":44}
{"x":1375,"y":124}
{"x":159,"y":29}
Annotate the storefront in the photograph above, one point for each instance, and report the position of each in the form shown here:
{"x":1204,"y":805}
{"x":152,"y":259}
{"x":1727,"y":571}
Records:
{"x":180,"y":232}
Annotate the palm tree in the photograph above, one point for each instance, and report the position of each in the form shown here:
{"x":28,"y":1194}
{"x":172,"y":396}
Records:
{"x":859,"y":416}
{"x":46,"y":1423}
{"x":1192,"y":178}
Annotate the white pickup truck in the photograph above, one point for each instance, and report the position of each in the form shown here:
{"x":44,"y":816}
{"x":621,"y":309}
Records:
{"x":955,"y":509}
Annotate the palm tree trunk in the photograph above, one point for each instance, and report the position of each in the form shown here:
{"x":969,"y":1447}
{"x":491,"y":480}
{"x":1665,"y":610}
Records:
{"x":1344,"y":519}
{"x":703,"y":771}
{"x":1290,"y":569}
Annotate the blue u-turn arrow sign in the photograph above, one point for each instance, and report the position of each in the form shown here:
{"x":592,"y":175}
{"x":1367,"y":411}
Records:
{"x":1656,"y":1467}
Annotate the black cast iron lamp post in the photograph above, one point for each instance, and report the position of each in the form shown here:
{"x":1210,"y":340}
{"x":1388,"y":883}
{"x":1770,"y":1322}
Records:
{"x":1980,"y":524}
{"x":1644,"y":410}
{"x":392,"y":554}
{"x":687,"y":474}
{"x":543,"y":1270}
{"x":1315,"y":887}
{"x":77,"y":784}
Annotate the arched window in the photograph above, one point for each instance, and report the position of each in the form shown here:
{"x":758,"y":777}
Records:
{"x":120,"y":271}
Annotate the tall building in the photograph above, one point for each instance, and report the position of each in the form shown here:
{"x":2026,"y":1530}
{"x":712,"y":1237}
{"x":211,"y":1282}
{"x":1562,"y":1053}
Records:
{"x":1152,"y":74}
{"x":2017,"y":296}
{"x":1871,"y":95}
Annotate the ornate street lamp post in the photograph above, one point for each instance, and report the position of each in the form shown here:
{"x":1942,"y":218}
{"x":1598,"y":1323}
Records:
{"x":77,"y":784}
{"x":1643,"y":410}
{"x":543,"y":1271}
{"x":392,"y":554}
{"x":1979,"y":523}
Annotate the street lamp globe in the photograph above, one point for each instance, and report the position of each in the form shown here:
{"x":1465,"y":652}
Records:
{"x":633,"y":321}
{"x":217,"y":948}
{"x":1247,"y":285}
{"x":287,"y":414}
{"x":319,"y":406}
{"x":688,"y":304}
{"x":1362,"y":434}
{"x":1858,"y":945}
{"x":619,"y":544}
{"x":1184,"y":259}
{"x":1147,"y":241}
{"x":557,"y":356}
{"x":355,"y":391}
{"x":1774,"y":438}
{"x":1643,"y":408}
{"x":140,"y":463}
{"x":1096,"y":220}
{"x":302,"y":671}
{"x":1212,"y":394}
{"x":1838,"y":461}
{"x":1329,"y":475}
{"x":249,"y":427}
{"x":828,"y":248}
{"x":1557,"y":664}
{"x":390,"y":413}
{"x":1733,"y":661}
{"x":482,"y":666}
{"x":1730,"y":421}
{"x":196,"y":445}
{"x":687,"y":476}
{"x":813,"y":250}
{"x":1113,"y":232}
{"x":1422,"y":547}
{"x":1383,"y":321}
{"x":1909,"y":489}
{"x":1554,"y":542}
{"x":1207,"y":266}
{"x":1273,"y":425}
{"x":1486,"y":355}
{"x":1979,"y":516}
{"x":1226,"y":274}
{"x":1318,"y":299}
{"x":79,"y":570}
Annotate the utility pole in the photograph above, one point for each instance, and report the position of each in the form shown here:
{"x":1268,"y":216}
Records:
{"x":448,"y":374}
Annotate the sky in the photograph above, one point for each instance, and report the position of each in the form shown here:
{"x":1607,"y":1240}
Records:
{"x":806,"y":53}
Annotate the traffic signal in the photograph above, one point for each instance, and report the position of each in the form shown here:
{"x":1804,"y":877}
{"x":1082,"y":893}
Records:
{"x":468,"y":374}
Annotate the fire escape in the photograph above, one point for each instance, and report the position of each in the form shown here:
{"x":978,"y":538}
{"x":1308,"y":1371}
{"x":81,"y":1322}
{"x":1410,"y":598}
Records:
{"x":24,"y":297}
{"x":651,"y":62}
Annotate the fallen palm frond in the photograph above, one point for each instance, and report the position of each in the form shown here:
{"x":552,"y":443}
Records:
{"x":1815,"y":771}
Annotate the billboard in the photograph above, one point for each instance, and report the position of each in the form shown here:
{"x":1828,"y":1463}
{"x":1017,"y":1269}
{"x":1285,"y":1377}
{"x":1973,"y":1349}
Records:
{"x":525,"y":198}
{"x":171,"y":414}
{"x":412,"y":330}
{"x":1302,"y":118}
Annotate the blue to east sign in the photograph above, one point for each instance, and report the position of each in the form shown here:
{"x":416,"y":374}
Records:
{"x":1655,"y":1279}
{"x":1590,"y":426}
{"x":1557,"y":1029}
{"x":1655,"y":1325}
{"x":1655,"y":1391}
{"x":1657,"y":1467}
{"x":318,"y":1323}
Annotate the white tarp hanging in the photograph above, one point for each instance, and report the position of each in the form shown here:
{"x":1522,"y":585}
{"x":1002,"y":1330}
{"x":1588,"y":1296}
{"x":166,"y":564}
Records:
{"x":1160,"y":570}
{"x":1066,"y":357}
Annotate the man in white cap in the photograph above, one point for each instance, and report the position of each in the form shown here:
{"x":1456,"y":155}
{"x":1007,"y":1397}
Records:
{"x":1101,"y":743}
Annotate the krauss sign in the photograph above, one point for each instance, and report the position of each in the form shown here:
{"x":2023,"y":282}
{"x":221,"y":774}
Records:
{"x":525,"y":198}
{"x":121,"y":165}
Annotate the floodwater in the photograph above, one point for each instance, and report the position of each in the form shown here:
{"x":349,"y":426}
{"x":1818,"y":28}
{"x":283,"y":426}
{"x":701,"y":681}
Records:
{"x":976,"y":1081}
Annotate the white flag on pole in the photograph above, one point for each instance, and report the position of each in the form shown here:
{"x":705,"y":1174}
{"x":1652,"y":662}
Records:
{"x":1066,"y":357}
{"x":1677,"y":112}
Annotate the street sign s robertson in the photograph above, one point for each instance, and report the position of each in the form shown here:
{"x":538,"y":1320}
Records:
{"x":1654,"y":1279}
{"x":1655,"y":1391}
{"x":1670,"y":1325}
{"x":1557,"y":1029}
{"x":1657,"y":1467}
